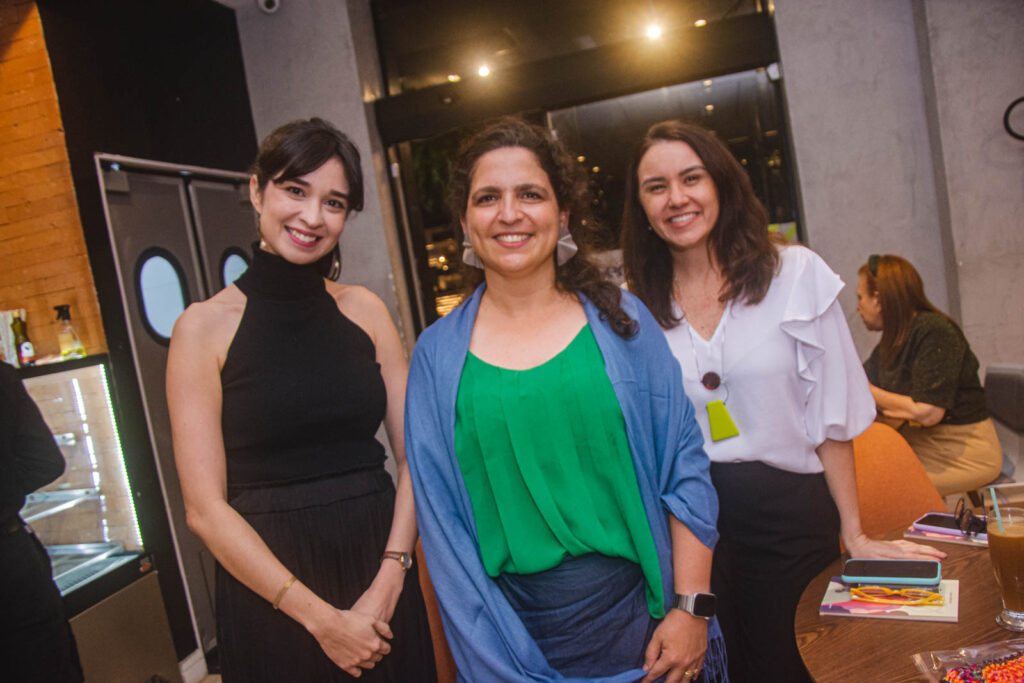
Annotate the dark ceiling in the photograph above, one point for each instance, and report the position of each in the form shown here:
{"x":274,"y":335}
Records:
{"x":422,"y":42}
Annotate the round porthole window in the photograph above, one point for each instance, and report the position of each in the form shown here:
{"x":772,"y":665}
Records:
{"x":232,"y":265}
{"x":162,"y":291}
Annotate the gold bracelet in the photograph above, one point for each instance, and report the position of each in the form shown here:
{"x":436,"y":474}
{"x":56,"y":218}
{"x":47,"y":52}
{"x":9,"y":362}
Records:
{"x":284,"y":589}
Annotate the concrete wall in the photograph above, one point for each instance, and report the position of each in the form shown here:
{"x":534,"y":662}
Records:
{"x":318,"y":58}
{"x":896,"y":115}
{"x":852,"y":80}
{"x":977,"y":59}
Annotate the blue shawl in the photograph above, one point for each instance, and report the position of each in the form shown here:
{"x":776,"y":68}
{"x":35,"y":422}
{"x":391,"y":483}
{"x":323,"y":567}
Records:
{"x":486,"y":636}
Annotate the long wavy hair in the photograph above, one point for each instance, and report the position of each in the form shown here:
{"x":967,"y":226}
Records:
{"x":568,"y":180}
{"x":739,"y":241}
{"x":901,"y":296}
{"x":301,"y":147}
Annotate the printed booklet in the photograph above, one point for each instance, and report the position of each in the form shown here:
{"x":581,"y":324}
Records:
{"x":929,"y":536}
{"x":839,"y":603}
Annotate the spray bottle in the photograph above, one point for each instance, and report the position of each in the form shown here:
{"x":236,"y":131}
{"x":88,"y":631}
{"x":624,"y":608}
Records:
{"x":70,"y":343}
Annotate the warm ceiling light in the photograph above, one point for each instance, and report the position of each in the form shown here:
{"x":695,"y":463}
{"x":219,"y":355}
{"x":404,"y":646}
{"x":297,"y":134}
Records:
{"x":700,"y":22}
{"x":596,"y":169}
{"x":653,"y":31}
{"x":454,"y":78}
{"x":707,"y":83}
{"x":581,"y":158}
{"x":484,"y":70}
{"x":709,"y":108}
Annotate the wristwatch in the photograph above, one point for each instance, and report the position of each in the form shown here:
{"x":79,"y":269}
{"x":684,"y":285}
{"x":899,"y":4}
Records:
{"x":404,"y":559}
{"x":698,"y":604}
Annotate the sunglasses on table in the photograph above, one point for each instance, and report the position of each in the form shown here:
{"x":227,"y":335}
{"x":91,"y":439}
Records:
{"x":968,"y":522}
{"x":894,"y":596}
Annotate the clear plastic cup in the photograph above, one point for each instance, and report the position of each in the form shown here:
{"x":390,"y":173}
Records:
{"x":1006,"y":549}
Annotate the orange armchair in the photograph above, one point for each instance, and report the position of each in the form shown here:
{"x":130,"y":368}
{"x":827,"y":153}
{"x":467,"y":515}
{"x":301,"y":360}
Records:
{"x":442,"y":654}
{"x":892,"y":486}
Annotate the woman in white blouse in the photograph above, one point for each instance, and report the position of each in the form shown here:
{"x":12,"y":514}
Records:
{"x":777,"y":386}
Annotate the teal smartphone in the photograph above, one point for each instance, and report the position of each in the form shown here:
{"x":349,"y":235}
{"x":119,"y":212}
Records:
{"x":892,"y":572}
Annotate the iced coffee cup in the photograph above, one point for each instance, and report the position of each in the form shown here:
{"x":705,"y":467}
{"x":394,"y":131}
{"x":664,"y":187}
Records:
{"x":1006,"y":548}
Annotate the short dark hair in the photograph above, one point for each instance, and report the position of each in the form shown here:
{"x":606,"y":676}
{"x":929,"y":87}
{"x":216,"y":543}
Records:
{"x":739,"y":240}
{"x":569,"y":182}
{"x":301,"y":147}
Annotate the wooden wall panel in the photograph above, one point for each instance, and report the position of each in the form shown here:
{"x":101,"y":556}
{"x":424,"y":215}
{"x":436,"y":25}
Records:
{"x":43,"y":260}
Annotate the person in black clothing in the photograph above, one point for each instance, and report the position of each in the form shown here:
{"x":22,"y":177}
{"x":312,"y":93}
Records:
{"x":276,"y":387}
{"x":36,"y":643}
{"x":924,"y":378}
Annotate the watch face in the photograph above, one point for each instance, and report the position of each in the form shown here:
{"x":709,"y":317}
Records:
{"x":406,"y":560}
{"x":704,"y":604}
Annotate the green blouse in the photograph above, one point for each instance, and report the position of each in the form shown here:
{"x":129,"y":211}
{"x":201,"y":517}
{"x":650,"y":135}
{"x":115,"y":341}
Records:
{"x":547,"y":465}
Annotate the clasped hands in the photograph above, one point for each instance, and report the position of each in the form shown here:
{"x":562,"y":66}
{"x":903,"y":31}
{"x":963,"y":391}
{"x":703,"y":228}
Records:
{"x":357,"y":638}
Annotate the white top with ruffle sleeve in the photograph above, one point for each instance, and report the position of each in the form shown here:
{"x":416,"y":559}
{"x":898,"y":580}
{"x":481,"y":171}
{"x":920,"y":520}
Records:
{"x":791,"y":377}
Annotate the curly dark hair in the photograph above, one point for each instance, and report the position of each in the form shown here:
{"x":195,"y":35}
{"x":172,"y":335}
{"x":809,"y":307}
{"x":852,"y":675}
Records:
{"x":569,"y":182}
{"x":300,"y":147}
{"x":740,"y":241}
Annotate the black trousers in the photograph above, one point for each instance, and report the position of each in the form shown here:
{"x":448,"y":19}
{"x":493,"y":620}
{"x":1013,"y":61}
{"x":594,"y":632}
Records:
{"x":36,"y":643}
{"x":778,"y":530}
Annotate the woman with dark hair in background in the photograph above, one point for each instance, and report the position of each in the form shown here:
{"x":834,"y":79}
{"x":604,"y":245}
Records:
{"x":562,"y":492}
{"x":924,"y":378}
{"x":276,"y":387}
{"x":768,"y":360}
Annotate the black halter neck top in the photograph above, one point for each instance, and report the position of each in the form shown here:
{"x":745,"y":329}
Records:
{"x":303,"y":396}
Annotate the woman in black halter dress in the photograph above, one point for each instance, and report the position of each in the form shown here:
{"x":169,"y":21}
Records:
{"x":276,"y":388}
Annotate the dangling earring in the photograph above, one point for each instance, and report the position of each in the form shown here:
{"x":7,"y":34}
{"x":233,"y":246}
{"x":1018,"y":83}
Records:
{"x":566,"y":247}
{"x":335,"y":270}
{"x":470,"y":257}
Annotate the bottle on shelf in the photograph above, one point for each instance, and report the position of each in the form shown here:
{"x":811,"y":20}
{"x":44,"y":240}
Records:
{"x":26,"y":352}
{"x":70,"y":343}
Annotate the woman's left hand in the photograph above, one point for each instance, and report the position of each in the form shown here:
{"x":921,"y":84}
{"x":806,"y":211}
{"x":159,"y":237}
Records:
{"x":677,"y":648}
{"x":379,"y":600}
{"x":864,"y":547}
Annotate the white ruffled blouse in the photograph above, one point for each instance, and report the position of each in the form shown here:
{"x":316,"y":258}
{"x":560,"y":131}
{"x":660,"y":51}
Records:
{"x":791,"y":377}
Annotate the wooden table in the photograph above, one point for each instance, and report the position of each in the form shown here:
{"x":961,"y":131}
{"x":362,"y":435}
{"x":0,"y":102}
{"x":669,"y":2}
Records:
{"x":843,"y":649}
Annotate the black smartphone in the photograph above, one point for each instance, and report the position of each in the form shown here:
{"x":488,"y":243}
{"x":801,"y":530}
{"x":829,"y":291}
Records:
{"x":945,"y":523}
{"x":893,"y":572}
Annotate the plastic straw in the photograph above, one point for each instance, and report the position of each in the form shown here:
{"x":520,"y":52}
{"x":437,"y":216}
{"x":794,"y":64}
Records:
{"x":995,"y":508}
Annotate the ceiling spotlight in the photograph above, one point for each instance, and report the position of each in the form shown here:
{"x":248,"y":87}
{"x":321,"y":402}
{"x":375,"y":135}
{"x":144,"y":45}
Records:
{"x":700,"y":22}
{"x":653,"y":31}
{"x":454,"y":78}
{"x":581,"y":158}
{"x":484,"y":71}
{"x":707,"y":83}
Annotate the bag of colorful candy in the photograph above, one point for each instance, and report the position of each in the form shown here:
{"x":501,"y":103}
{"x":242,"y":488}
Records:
{"x":1001,"y":662}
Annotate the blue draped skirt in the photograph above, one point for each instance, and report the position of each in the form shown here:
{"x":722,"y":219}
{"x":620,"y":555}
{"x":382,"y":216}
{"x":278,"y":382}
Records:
{"x":589,"y":616}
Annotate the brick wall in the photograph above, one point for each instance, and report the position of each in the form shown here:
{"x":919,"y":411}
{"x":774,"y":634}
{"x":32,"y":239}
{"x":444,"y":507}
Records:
{"x":43,"y":261}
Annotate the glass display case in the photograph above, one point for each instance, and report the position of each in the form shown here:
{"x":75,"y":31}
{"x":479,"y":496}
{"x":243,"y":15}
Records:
{"x":86,"y":518}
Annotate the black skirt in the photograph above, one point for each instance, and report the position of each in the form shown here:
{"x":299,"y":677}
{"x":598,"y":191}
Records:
{"x":331,"y":534}
{"x":778,"y":530}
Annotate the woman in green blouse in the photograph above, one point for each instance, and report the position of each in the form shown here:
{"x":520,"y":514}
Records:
{"x":924,"y":378}
{"x":562,"y":490}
